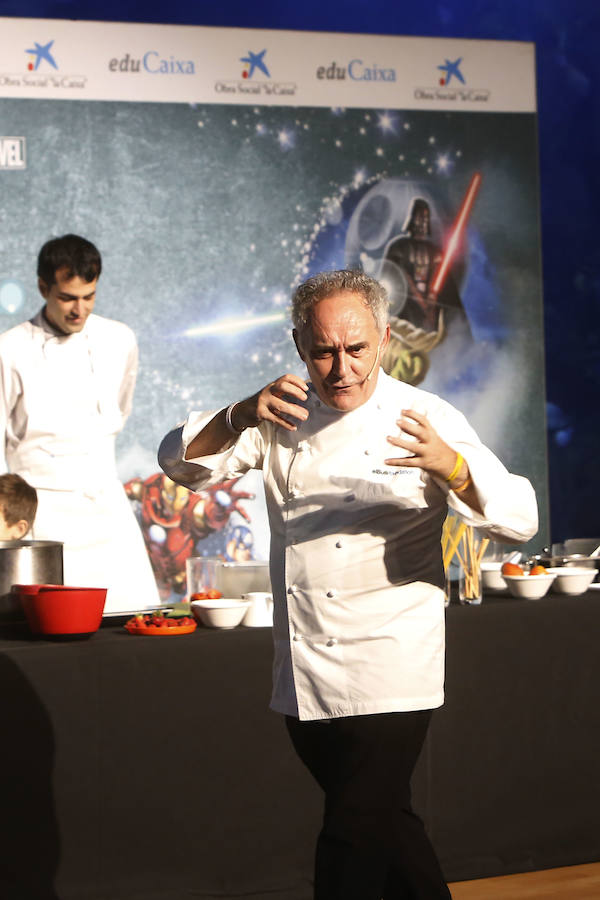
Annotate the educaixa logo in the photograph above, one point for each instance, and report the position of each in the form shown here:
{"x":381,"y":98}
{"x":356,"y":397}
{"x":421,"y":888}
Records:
{"x":152,"y":62}
{"x":356,"y":70}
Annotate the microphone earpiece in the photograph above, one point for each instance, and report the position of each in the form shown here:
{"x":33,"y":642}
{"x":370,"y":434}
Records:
{"x":369,"y":376}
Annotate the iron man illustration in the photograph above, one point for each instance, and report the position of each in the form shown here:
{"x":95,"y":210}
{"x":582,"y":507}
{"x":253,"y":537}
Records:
{"x":174,"y":520}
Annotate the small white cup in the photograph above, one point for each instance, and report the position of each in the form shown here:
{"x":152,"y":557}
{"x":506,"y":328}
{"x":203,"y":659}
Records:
{"x":260,"y":612}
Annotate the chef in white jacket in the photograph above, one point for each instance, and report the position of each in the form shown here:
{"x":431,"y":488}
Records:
{"x":359,"y":470}
{"x":67,"y":378}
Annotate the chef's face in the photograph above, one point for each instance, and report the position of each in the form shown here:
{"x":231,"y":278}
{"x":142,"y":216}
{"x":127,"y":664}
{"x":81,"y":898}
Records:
{"x":342,"y":347}
{"x":69,"y":301}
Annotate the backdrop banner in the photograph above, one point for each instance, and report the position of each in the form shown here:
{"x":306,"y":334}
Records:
{"x":217,"y":168}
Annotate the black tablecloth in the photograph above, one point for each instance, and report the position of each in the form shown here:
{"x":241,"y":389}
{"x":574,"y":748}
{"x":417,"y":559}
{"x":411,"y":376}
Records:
{"x":151,"y":768}
{"x":509,"y":779}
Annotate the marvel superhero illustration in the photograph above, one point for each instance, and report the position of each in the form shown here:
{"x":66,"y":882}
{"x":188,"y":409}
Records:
{"x":175,"y":522}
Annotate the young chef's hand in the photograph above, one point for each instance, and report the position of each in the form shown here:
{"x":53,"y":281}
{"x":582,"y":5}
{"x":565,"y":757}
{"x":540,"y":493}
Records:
{"x":426,"y":448}
{"x":273,"y":404}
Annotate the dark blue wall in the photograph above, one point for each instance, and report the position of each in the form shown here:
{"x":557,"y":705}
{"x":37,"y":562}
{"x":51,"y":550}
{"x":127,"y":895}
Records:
{"x":566,"y":36}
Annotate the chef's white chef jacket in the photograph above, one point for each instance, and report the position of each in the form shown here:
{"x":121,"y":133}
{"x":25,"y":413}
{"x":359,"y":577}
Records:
{"x":355,"y":556}
{"x":63,"y":400}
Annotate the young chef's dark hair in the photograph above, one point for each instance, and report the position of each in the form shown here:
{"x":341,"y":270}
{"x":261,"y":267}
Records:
{"x":76,"y":254}
{"x":351,"y":281}
{"x":18,"y":499}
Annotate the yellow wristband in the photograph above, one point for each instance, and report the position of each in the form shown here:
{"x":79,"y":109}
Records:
{"x":463,"y":486}
{"x":457,"y":468}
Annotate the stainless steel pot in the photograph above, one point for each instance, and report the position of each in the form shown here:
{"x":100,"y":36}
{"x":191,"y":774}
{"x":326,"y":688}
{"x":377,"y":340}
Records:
{"x":26,"y":562}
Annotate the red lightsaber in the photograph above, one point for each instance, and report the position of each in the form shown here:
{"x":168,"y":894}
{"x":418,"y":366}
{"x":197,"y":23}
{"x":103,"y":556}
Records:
{"x":456,"y":234}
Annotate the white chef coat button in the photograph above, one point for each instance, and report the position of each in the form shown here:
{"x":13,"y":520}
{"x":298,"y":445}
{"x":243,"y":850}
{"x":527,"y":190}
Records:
{"x":292,"y":588}
{"x":297,"y":637}
{"x":339,"y":545}
{"x":332,"y":642}
{"x":367,"y":452}
{"x":331,"y":594}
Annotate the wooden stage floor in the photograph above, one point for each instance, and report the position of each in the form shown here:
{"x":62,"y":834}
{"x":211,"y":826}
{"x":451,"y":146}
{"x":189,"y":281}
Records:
{"x":568,"y":883}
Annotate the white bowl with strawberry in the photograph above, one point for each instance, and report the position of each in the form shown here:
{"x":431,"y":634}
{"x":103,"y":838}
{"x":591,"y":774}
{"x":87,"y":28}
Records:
{"x":532,"y":585}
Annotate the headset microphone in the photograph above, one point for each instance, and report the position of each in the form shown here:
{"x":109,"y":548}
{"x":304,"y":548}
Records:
{"x":370,"y":375}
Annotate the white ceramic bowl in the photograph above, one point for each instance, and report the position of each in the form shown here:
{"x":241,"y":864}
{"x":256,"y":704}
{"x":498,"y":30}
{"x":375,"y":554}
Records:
{"x":572,"y":580}
{"x":530,"y":587}
{"x":222,"y":613}
{"x":491,"y":577}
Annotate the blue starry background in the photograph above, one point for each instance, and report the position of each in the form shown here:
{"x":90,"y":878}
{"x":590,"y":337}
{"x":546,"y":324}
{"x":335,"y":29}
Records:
{"x":208,"y":216}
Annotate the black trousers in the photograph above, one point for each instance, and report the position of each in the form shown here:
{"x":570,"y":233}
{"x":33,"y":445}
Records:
{"x":372,"y":846}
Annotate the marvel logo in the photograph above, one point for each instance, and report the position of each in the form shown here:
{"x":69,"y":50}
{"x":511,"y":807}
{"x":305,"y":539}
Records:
{"x":12,"y":152}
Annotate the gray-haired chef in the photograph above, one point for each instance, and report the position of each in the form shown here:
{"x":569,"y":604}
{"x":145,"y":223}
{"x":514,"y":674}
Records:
{"x":359,"y":471}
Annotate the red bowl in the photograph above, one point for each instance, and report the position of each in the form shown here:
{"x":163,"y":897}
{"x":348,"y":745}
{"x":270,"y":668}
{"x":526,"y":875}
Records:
{"x":61,"y":609}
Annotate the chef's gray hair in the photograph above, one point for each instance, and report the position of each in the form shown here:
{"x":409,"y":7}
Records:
{"x":352,"y":281}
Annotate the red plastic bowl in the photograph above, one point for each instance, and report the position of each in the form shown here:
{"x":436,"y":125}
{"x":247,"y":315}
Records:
{"x":61,"y":609}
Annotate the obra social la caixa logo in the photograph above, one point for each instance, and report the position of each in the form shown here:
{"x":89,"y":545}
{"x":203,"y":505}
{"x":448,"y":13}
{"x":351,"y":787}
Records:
{"x":255,"y":78}
{"x":452,"y":85}
{"x":154,"y":63}
{"x":42,"y":71}
{"x":40,"y":53}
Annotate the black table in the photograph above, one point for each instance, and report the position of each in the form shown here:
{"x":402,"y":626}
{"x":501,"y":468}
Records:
{"x":151,"y":768}
{"x":509,"y":777}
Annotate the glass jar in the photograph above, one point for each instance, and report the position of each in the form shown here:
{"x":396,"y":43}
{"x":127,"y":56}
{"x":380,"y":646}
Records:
{"x":469,"y":585}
